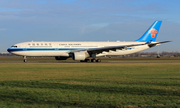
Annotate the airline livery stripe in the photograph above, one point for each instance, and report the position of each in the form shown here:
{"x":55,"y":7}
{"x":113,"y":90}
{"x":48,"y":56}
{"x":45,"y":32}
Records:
{"x":49,"y":49}
{"x":42,"y":49}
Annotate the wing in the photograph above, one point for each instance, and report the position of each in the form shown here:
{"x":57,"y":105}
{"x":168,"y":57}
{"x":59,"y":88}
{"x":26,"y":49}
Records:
{"x":107,"y":49}
{"x":114,"y":48}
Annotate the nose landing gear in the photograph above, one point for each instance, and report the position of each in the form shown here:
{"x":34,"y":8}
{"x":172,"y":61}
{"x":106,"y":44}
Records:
{"x":25,"y":59}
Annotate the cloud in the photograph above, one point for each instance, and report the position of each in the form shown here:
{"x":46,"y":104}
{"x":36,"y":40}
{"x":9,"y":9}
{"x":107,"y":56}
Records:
{"x":13,"y":9}
{"x":99,"y":25}
{"x":94,"y":27}
{"x":3,"y":29}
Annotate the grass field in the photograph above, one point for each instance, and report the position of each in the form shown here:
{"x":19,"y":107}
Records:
{"x":124,"y":82}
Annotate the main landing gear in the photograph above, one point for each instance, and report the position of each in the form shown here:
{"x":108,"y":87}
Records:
{"x":95,"y":60}
{"x":25,"y":59}
{"x":91,"y":60}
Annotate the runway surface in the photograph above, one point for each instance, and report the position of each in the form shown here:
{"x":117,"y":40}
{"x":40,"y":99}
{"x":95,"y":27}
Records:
{"x":108,"y":60}
{"x":95,"y":62}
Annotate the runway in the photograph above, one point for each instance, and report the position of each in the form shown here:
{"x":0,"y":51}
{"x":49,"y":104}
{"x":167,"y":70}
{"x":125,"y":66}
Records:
{"x":103,"y":60}
{"x":29,"y":62}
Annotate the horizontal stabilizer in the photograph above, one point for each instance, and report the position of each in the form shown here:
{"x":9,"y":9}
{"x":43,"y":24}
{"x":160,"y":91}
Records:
{"x":154,"y":44}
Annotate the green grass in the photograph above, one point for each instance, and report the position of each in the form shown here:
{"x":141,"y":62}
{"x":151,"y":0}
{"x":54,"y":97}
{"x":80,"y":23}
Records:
{"x":130,"y":83}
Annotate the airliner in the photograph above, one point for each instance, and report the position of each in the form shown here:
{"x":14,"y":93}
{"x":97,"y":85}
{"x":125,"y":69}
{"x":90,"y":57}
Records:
{"x":87,"y":51}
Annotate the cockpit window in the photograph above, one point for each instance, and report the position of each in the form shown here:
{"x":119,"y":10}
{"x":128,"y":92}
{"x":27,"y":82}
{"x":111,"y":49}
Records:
{"x":13,"y":46}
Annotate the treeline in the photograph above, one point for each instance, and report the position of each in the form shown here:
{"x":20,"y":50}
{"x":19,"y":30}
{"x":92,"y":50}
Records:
{"x":154,"y":54}
{"x":139,"y":54}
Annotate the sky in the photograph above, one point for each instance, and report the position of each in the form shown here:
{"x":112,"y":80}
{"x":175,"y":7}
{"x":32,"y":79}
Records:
{"x":88,"y":20}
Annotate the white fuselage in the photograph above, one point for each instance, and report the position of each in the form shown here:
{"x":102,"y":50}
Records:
{"x":63,"y":48}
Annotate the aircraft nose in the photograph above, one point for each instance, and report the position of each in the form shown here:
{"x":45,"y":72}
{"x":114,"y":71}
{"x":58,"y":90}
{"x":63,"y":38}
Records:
{"x":8,"y":49}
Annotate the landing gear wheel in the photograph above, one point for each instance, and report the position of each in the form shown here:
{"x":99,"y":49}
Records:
{"x":25,"y":60}
{"x":93,"y":60}
{"x":87,"y":60}
{"x":98,"y":60}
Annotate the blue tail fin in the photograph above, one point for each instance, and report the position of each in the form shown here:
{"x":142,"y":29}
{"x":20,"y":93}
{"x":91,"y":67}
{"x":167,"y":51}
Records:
{"x":151,"y":34}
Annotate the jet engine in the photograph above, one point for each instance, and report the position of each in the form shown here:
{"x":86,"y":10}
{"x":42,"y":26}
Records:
{"x":79,"y":56}
{"x":61,"y":58}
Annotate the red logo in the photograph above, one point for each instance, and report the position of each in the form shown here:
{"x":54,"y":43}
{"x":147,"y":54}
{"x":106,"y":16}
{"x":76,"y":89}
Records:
{"x":153,"y":32}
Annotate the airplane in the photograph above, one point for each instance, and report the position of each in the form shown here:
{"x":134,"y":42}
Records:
{"x":83,"y":51}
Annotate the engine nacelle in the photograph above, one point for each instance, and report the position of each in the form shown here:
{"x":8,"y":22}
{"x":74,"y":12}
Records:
{"x":79,"y":56}
{"x":61,"y":58}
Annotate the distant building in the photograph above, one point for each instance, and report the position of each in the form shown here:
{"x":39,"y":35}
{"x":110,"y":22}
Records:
{"x":4,"y":53}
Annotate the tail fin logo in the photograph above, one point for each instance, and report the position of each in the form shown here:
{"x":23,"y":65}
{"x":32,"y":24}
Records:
{"x":153,"y":32}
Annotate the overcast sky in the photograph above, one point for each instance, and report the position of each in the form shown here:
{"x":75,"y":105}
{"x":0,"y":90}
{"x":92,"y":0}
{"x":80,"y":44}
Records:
{"x":88,"y":20}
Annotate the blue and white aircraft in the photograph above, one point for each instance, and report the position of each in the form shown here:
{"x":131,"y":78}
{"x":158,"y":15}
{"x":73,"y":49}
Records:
{"x":84,"y":50}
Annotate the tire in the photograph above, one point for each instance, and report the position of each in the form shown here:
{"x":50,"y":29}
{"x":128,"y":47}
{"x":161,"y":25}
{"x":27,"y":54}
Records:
{"x":25,"y":60}
{"x":98,"y":60}
{"x":87,"y":60}
{"x":93,"y":60}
